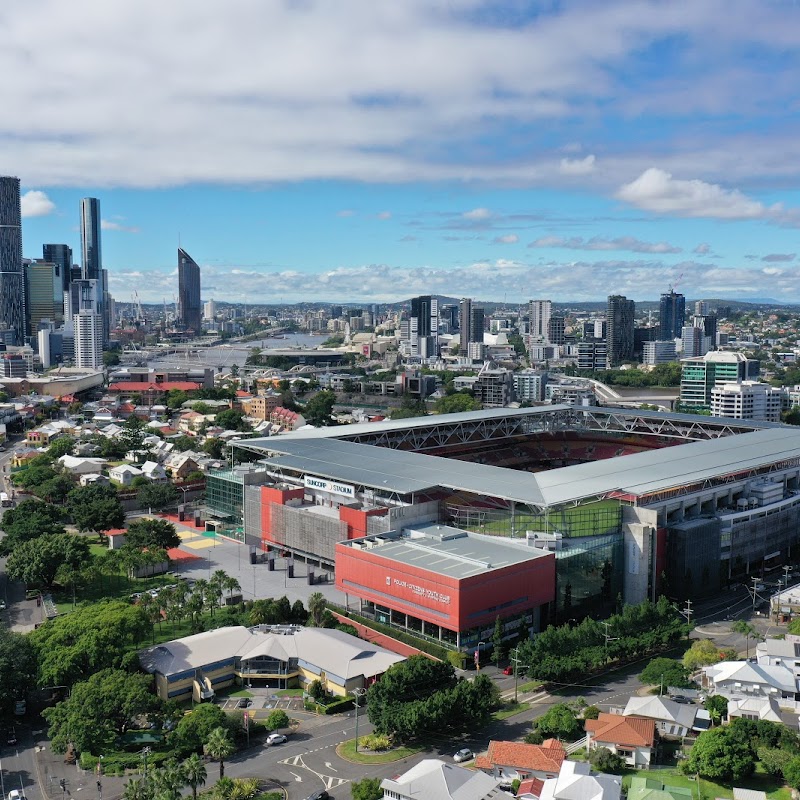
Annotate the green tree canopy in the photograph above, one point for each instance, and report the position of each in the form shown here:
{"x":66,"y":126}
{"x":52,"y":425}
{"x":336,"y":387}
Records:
{"x":18,"y":667}
{"x":61,"y":447}
{"x":29,"y":520}
{"x":193,"y":730}
{"x":214,"y":447}
{"x":665,"y":672}
{"x":721,"y":754}
{"x":717,"y":707}
{"x":456,"y":403}
{"x":71,"y":647}
{"x":318,"y":409}
{"x":99,"y":709}
{"x":175,"y":398}
{"x":560,"y":722}
{"x":702,"y":653}
{"x":367,"y":789}
{"x":152,"y":533}
{"x":157,"y":496}
{"x":131,"y":438}
{"x":95,"y":508}
{"x":37,"y":561}
{"x":232,"y":420}
{"x":277,"y":719}
{"x":219,"y":746}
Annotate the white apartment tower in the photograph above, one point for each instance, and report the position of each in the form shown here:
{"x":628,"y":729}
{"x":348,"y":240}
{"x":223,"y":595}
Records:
{"x":539,"y":312}
{"x":88,"y":326}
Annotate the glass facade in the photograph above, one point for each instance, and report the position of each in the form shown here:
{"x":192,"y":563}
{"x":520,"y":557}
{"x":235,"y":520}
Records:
{"x":225,"y":494}
{"x":12,"y":283}
{"x":191,"y":310}
{"x":91,"y":257}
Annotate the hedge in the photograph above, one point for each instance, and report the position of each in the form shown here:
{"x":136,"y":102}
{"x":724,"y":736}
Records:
{"x":432,"y":649}
{"x":334,"y":707}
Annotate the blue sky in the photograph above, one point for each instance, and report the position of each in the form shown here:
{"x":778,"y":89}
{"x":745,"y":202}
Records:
{"x":363,"y":151}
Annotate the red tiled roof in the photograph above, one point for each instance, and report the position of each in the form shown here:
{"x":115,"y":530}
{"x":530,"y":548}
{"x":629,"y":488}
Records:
{"x":532,"y":786}
{"x":243,"y":393}
{"x":520,"y":755}
{"x":117,"y":532}
{"x":618,"y":729}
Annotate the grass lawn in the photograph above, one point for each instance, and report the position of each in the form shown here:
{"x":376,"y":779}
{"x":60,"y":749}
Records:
{"x":347,"y":750}
{"x":709,"y":790}
{"x":509,"y":710}
{"x":529,"y":686}
{"x":290,"y":693}
{"x":240,"y":693}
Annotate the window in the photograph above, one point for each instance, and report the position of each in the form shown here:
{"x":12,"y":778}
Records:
{"x":624,"y":753}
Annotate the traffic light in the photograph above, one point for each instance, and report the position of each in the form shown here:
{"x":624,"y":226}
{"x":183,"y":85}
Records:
{"x":63,"y":784}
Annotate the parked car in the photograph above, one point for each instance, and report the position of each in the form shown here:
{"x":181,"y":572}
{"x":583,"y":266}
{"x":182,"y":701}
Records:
{"x":11,"y":736}
{"x":465,"y":754}
{"x":679,"y":698}
{"x":16,"y":794}
{"x":509,"y":670}
{"x":2,"y":605}
{"x":320,"y":795}
{"x":276,"y":738}
{"x":244,"y":703}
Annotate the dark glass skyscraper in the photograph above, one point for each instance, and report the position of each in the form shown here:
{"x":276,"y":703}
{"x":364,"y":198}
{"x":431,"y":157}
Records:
{"x":672,"y":310}
{"x":190,"y":308}
{"x":12,"y":281}
{"x":620,"y":318}
{"x":61,"y":256}
{"x":91,"y":256}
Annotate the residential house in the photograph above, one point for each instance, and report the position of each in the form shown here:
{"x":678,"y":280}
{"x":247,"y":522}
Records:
{"x":85,"y":449}
{"x":286,"y":420}
{"x":93,"y":479}
{"x":780,"y":652}
{"x":748,"y":794}
{"x":191,"y":421}
{"x":23,"y":456}
{"x":575,"y":781}
{"x":262,"y":406}
{"x":649,"y":789}
{"x":509,"y":761}
{"x":153,"y":471}
{"x":112,"y":430}
{"x":633,"y":738}
{"x":671,"y":718}
{"x":755,"y":708}
{"x":435,"y":779}
{"x":124,"y":474}
{"x":179,"y":465}
{"x":82,"y":466}
{"x":745,"y":679}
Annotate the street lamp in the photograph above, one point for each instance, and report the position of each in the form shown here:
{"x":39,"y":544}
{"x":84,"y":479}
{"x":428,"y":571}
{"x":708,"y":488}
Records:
{"x":358,"y":694}
{"x":478,"y":655}
{"x":515,"y":663}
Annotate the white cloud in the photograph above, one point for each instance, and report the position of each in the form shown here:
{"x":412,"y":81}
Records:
{"x":656,"y":190}
{"x":703,"y":249}
{"x":779,"y":257}
{"x":628,"y":243}
{"x":385,"y":215}
{"x":477,"y":214}
{"x":113,"y":225}
{"x":577,"y":166}
{"x":346,"y":212}
{"x":36,"y":204}
{"x":509,"y":238}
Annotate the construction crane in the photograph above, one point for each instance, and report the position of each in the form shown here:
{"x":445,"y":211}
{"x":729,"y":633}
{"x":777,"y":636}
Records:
{"x":674,"y":286}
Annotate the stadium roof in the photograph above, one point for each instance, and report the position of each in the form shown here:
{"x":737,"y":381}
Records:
{"x":325,"y":453}
{"x":450,"y":551}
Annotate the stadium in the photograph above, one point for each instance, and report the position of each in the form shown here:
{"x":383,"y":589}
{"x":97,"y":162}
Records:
{"x":621,"y":503}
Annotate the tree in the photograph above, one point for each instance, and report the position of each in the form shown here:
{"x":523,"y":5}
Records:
{"x":497,"y":640}
{"x":110,"y":358}
{"x":18,"y":667}
{"x":168,"y":780}
{"x":29,"y":520}
{"x":560,"y":722}
{"x":791,"y":772}
{"x":702,"y":653}
{"x":95,"y":508}
{"x":367,"y":789}
{"x":175,"y":398}
{"x":147,"y":533}
{"x":99,"y":709}
{"x":277,"y":719}
{"x":137,"y":789}
{"x":54,"y":490}
{"x":317,"y":606}
{"x":183,"y":443}
{"x":195,"y":771}
{"x":456,"y":403}
{"x":37,"y":561}
{"x":72,"y":647}
{"x":774,"y":760}
{"x":157,"y":496}
{"x":317,"y":410}
{"x":219,"y":746}
{"x":603,"y":760}
{"x":232,"y":420}
{"x":131,"y":438}
{"x":717,"y":707}
{"x":720,"y":754}
{"x":746,"y":629}
{"x":193,"y":730}
{"x":60,"y":447}
{"x":215,"y":448}
{"x":665,"y":672}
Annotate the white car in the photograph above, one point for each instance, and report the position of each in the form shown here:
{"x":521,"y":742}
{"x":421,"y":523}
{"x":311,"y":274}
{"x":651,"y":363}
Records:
{"x":16,"y":794}
{"x":465,"y":754}
{"x":276,"y":738}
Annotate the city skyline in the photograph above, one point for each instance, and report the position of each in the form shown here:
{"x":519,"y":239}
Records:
{"x":464,"y":148}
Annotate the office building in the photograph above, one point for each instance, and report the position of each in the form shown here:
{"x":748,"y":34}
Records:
{"x":539,"y":313}
{"x":658,"y":352}
{"x":423,"y":327}
{"x":12,"y":281}
{"x":692,"y":341}
{"x":43,"y":290}
{"x":701,"y":308}
{"x":620,"y":317}
{"x":708,"y":324}
{"x":529,"y":385}
{"x":91,"y":256}
{"x":61,"y":256}
{"x":672,"y":311}
{"x":701,"y":374}
{"x":471,"y":324}
{"x":190,"y":309}
{"x":555,"y":330}
{"x":449,"y":315}
{"x":592,"y":354}
{"x":747,"y":400}
{"x":209,"y":309}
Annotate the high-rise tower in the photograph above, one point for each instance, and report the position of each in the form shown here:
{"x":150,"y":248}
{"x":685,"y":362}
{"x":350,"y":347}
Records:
{"x":539,"y":311}
{"x":91,"y":256}
{"x":620,"y":318}
{"x":672,"y":310}
{"x":190,"y":308}
{"x":61,"y":256}
{"x":12,"y":280}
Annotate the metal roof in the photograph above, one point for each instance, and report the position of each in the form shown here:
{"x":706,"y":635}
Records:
{"x":450,"y":551}
{"x":326,"y":453}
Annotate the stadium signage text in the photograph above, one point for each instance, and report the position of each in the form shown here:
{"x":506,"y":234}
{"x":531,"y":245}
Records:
{"x":428,"y":594}
{"x":334,"y":487}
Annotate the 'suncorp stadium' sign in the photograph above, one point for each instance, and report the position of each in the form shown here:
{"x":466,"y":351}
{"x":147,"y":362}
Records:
{"x":334,"y":487}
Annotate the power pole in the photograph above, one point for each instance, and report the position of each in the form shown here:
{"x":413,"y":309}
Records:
{"x":755,"y":584}
{"x":608,"y":638}
{"x":515,"y":661}
{"x":687,"y":612}
{"x":358,"y":694}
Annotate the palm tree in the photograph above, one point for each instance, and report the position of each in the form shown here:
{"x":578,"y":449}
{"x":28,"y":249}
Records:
{"x":137,"y":789}
{"x":219,"y":747}
{"x":316,"y":609}
{"x":746,"y":629}
{"x":219,"y":577}
{"x":168,"y":781}
{"x":231,"y":585}
{"x":211,"y":595}
{"x":194,"y":771}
